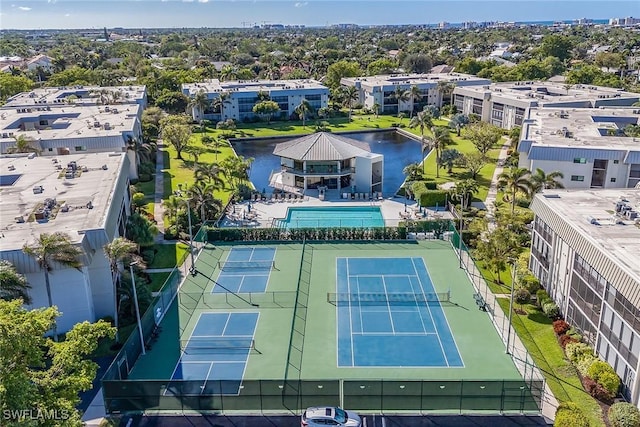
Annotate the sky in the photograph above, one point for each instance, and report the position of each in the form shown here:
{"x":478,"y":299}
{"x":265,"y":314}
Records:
{"x":50,"y":14}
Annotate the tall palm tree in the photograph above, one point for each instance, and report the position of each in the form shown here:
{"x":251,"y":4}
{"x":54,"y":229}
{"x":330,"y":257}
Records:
{"x":219,"y":103}
{"x":440,"y":138}
{"x":542,"y":181}
{"x":376,"y":109}
{"x":201,"y":197}
{"x":210,"y":173}
{"x":421,"y":120}
{"x":51,"y":249}
{"x":228,"y":72}
{"x":24,"y":144}
{"x":414,"y":95}
{"x":302,"y":110}
{"x":400,"y":95}
{"x":464,"y":190}
{"x":446,"y":88}
{"x":514,"y":181}
{"x":13,"y":285}
{"x":121,"y":250}
{"x":171,"y":207}
{"x":349,"y":95}
{"x":143,"y":150}
{"x":198,"y":104}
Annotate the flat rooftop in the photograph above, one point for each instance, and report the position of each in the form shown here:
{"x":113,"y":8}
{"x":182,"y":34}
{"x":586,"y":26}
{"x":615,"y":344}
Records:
{"x":581,"y":127}
{"x":216,"y":85}
{"x":18,"y":199}
{"x":617,"y":238}
{"x":67,"y":122}
{"x":411,"y":79}
{"x":80,"y":95}
{"x":547,"y":92}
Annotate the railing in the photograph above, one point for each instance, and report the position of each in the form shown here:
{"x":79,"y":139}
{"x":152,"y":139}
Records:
{"x":316,"y":170}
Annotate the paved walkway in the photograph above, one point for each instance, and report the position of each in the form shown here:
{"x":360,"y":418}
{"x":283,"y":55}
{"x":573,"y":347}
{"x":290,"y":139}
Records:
{"x":158,"y":209}
{"x":489,"y":202}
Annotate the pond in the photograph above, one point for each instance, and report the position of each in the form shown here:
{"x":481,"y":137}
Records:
{"x":398,"y":152}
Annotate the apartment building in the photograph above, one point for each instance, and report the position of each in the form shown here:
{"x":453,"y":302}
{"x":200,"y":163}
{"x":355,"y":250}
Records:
{"x":587,"y":145}
{"x":584,"y":251}
{"x":236,"y":99}
{"x":382,"y":90}
{"x":83,"y":195}
{"x":506,"y":104}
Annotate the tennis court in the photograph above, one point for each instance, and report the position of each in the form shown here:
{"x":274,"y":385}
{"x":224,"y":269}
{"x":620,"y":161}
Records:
{"x":390,"y":303}
{"x":245,"y":270}
{"x":216,"y":353}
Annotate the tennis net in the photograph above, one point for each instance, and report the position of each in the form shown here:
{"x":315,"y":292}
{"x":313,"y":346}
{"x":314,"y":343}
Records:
{"x":246,"y":265}
{"x":216,"y":345}
{"x":376,"y":298}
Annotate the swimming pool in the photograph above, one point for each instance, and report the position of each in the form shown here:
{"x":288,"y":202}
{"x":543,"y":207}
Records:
{"x":332,"y":216}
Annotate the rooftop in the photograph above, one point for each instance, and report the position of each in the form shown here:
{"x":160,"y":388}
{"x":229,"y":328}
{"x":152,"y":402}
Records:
{"x":256,"y":85}
{"x":79,"y":95}
{"x":581,"y":127}
{"x":592,"y":214}
{"x":21,"y":178}
{"x":411,"y":79}
{"x":322,"y":146}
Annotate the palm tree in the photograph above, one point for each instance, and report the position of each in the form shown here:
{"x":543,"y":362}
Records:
{"x":120,"y":250}
{"x":51,"y":249}
{"x":302,"y":110}
{"x":201,"y":197}
{"x":24,"y":144}
{"x":440,"y":139}
{"x":263,"y":96}
{"x":12,"y":284}
{"x":464,"y":190}
{"x":219,"y":103}
{"x":421,"y":120}
{"x":349,"y":94}
{"x":171,"y":207}
{"x":209,"y":172}
{"x":513,"y":181}
{"x":542,"y":181}
{"x":198,"y":104}
{"x":376,"y":109}
{"x":414,"y":95}
{"x":400,"y":95}
{"x":142,"y":150}
{"x":446,"y":88}
{"x":413,"y":171}
{"x":228,"y":72}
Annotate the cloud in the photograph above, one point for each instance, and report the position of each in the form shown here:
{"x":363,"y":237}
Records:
{"x":203,"y":1}
{"x":67,"y":15}
{"x":52,"y":1}
{"x":301,"y":4}
{"x":25,"y":8}
{"x":187,"y":1}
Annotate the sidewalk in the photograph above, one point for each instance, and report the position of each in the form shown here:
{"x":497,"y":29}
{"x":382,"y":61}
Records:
{"x":158,"y":208}
{"x":493,"y":188}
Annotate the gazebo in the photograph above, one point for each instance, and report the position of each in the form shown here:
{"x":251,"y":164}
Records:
{"x":327,"y":161}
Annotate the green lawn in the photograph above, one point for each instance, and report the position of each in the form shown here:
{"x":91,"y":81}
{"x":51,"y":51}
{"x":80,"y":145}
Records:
{"x":492,"y":279}
{"x":148,"y":188}
{"x":104,"y":345}
{"x":536,"y":333}
{"x":157,"y":280}
{"x":167,"y":256}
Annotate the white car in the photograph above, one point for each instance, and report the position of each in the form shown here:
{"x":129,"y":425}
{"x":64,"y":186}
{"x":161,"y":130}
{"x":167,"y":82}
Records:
{"x":329,"y":416}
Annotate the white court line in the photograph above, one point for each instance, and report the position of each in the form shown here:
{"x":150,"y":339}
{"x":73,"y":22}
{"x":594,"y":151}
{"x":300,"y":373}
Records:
{"x":222,"y":336}
{"x":353,"y":350}
{"x":386,"y":334}
{"x":384,"y":285}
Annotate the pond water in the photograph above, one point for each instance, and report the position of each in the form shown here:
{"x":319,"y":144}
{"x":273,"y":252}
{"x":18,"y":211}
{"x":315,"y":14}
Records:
{"x":398,"y":152}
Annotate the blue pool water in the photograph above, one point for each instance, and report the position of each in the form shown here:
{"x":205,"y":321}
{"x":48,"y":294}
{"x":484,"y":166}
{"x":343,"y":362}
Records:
{"x":347,"y":216}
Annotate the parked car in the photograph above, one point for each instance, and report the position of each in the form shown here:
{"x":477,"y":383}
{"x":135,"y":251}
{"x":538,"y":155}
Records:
{"x":330,"y":416}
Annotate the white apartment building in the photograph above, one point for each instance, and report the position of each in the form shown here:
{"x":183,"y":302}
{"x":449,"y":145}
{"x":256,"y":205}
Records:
{"x":506,"y":104}
{"x":44,"y":195}
{"x":239,"y":97}
{"x":61,"y":121}
{"x":381,"y":89}
{"x":587,"y":145}
{"x":584,"y":250}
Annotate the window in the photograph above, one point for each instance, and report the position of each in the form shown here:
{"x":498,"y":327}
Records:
{"x":615,"y":162}
{"x":80,"y":148}
{"x":579,"y":178}
{"x":49,"y":149}
{"x":613,"y":180}
{"x":580,"y":160}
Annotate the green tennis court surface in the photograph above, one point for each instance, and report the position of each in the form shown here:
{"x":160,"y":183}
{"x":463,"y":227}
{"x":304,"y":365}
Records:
{"x":295,"y":346}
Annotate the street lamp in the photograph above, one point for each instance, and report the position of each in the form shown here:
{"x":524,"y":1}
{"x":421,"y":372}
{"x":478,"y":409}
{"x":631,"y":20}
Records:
{"x":135,"y":302}
{"x":463,"y":198}
{"x":513,"y":283}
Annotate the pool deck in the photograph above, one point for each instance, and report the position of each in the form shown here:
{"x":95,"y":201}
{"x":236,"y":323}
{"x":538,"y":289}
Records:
{"x":392,"y":208}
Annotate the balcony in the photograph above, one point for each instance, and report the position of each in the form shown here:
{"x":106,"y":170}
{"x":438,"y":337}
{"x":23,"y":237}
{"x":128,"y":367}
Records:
{"x":319,"y":170}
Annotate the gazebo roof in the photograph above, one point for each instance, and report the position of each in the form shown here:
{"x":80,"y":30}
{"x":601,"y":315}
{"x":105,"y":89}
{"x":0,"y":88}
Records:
{"x":322,"y":146}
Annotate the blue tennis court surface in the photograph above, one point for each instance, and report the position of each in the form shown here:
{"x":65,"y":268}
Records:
{"x":245,"y":270}
{"x":391,"y":331}
{"x":215,"y":356}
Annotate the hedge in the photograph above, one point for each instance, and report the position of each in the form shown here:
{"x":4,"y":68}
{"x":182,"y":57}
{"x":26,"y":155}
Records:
{"x":432,"y":198}
{"x":624,"y":414}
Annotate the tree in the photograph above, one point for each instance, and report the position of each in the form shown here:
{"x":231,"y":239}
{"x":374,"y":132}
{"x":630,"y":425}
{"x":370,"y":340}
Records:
{"x":514,"y":181}
{"x":483,"y":135}
{"x":459,"y":121}
{"x":381,"y":66}
{"x":376,"y":109}
{"x":521,"y":296}
{"x":119,"y":252}
{"x":440,"y":138}
{"x":12,"y":85}
{"x":236,"y":168}
{"x":219,"y":103}
{"x":210,"y":173}
{"x":446,"y":89}
{"x":473,"y":162}
{"x":464,"y":191}
{"x":542,"y":181}
{"x":422,"y":120}
{"x":51,"y":249}
{"x":176,"y":132}
{"x":414,"y":94}
{"x":228,"y":72}
{"x":349,"y":95}
{"x":13,"y":285}
{"x":417,"y":63}
{"x":302,"y":110}
{"x":448,"y":158}
{"x":339,"y":70}
{"x":201,"y":197}
{"x":556,"y":45}
{"x":41,"y":375}
{"x":171,"y":207}
{"x":498,"y":248}
{"x":400,"y":95}
{"x":173,"y":102}
{"x":413,"y":171}
{"x":142,"y":150}
{"x":24,"y":144}
{"x":198,"y":104}
{"x":195,"y":151}
{"x":140,"y":229}
{"x":266,"y":109}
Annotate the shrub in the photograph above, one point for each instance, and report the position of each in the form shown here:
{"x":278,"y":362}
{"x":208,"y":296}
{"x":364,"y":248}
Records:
{"x":148,"y":255}
{"x":551,"y":310}
{"x":585,"y":363}
{"x":623,"y":414}
{"x":575,"y":334}
{"x":596,"y":390}
{"x":433,"y":197}
{"x":531,"y":283}
{"x":542,"y":295}
{"x":560,"y":327}
{"x":610,"y":381}
{"x":144,"y":177}
{"x":565,"y":340}
{"x":569,"y":414}
{"x":576,"y":351}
